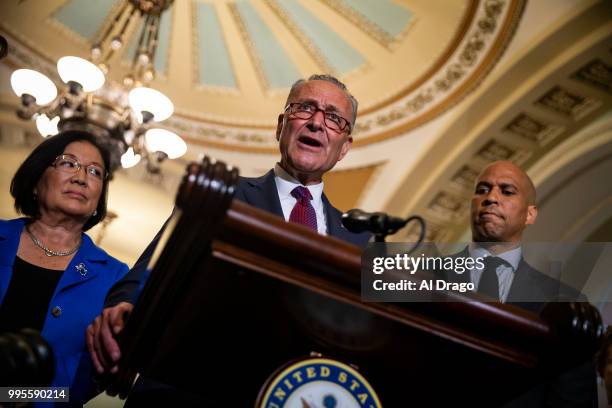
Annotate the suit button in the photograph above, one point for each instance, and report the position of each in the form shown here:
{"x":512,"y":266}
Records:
{"x":56,"y":311}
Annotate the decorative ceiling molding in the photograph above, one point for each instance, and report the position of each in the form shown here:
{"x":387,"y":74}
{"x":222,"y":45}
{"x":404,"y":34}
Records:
{"x":488,"y":36}
{"x":375,"y":31}
{"x":480,"y":37}
{"x":308,"y":45}
{"x":22,"y":54}
{"x":526,"y":139}
{"x":250,"y":46}
{"x":596,"y":73}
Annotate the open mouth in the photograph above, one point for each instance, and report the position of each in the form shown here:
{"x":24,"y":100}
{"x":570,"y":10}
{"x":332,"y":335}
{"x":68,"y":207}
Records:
{"x":309,"y":141}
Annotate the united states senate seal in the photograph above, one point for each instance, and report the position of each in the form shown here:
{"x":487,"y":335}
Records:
{"x":317,"y":383}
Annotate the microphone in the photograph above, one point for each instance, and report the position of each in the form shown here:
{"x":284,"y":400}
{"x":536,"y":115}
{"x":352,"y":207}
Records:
{"x":357,"y":220}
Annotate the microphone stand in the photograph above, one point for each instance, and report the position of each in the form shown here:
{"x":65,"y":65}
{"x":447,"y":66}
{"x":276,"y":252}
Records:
{"x":380,"y":224}
{"x":381,"y":235}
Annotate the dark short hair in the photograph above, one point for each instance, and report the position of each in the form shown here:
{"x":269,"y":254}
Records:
{"x":31,"y":170}
{"x":329,"y":78}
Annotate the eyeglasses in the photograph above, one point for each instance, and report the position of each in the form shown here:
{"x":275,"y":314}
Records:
{"x":332,"y":121}
{"x":70,"y":165}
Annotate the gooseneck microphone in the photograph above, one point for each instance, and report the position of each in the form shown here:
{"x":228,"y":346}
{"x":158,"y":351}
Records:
{"x":357,"y":220}
{"x":378,"y":223}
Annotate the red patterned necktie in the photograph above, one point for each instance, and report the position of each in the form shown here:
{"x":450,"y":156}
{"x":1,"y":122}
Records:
{"x":303,"y":212}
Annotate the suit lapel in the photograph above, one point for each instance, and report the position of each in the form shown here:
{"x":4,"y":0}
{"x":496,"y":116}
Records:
{"x":525,"y":287}
{"x":261,"y":193}
{"x":333,"y":219}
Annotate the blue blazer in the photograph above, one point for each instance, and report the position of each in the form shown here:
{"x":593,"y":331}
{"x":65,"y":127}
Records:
{"x":260,"y":192}
{"x":80,"y":296}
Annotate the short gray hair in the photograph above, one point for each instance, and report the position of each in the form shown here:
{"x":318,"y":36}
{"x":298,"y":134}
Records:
{"x":329,"y":78}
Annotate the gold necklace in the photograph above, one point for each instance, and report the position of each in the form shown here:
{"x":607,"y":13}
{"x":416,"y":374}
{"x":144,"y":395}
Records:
{"x":50,"y":252}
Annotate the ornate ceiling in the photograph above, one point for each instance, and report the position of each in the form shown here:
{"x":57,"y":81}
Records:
{"x":227,"y":64}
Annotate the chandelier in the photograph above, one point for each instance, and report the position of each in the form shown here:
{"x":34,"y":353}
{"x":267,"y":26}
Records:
{"x":125,"y":121}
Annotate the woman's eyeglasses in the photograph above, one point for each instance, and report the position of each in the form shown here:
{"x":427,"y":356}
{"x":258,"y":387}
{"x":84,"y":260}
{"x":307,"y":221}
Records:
{"x":68,"y":164}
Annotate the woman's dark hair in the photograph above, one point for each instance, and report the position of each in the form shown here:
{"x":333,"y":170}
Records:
{"x":31,"y":170}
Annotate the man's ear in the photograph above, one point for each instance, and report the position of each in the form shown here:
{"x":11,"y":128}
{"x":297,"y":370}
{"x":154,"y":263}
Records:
{"x":279,"y":126}
{"x":346,"y":146}
{"x":532,"y":214}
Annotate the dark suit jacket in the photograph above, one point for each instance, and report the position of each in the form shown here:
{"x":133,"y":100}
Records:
{"x":259,"y":192}
{"x":530,"y":290}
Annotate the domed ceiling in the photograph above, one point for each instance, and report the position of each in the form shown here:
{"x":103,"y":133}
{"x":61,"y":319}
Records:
{"x":227,"y":64}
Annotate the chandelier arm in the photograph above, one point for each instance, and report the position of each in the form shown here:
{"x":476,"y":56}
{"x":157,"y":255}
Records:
{"x":112,"y":24}
{"x":140,"y":47}
{"x":150,"y":27}
{"x":108,"y":55}
{"x":119,"y":36}
{"x":52,"y":109}
{"x":153,"y":44}
{"x":127,"y":21}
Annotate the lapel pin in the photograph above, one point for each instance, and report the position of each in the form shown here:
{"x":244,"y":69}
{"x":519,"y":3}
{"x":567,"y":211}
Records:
{"x":82,"y":269}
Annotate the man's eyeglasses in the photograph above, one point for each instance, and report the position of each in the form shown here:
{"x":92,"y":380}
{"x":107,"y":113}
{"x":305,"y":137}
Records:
{"x":332,"y":121}
{"x":70,"y":165}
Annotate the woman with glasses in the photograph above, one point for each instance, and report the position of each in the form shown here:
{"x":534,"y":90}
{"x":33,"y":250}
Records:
{"x":53,"y":278}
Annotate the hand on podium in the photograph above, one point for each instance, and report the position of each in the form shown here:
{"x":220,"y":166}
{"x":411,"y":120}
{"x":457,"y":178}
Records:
{"x":102,"y":337}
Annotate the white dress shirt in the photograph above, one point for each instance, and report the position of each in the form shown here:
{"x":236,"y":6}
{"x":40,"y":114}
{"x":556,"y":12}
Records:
{"x":505,"y":272}
{"x":285,"y":183}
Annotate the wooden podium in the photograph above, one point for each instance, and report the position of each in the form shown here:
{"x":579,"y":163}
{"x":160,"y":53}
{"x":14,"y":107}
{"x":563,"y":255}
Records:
{"x":235,"y":293}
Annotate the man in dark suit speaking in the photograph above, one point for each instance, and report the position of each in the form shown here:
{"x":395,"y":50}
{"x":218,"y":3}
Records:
{"x":314,"y":133}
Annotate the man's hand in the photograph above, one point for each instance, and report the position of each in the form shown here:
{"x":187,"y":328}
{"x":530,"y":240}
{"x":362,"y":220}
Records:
{"x":101,"y":337}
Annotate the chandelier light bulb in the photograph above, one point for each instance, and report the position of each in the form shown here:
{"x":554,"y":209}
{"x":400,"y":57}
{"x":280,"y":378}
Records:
{"x":47,"y":127}
{"x":129,"y":159}
{"x":30,"y":82}
{"x":149,"y":75}
{"x":96,"y":52}
{"x":81,"y":71}
{"x":116,"y":43}
{"x":128,"y":80}
{"x":144,"y":99}
{"x":143,"y":58}
{"x":161,"y":140}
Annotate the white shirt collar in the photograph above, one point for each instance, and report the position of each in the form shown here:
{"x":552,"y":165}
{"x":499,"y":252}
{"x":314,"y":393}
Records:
{"x":285,"y":183}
